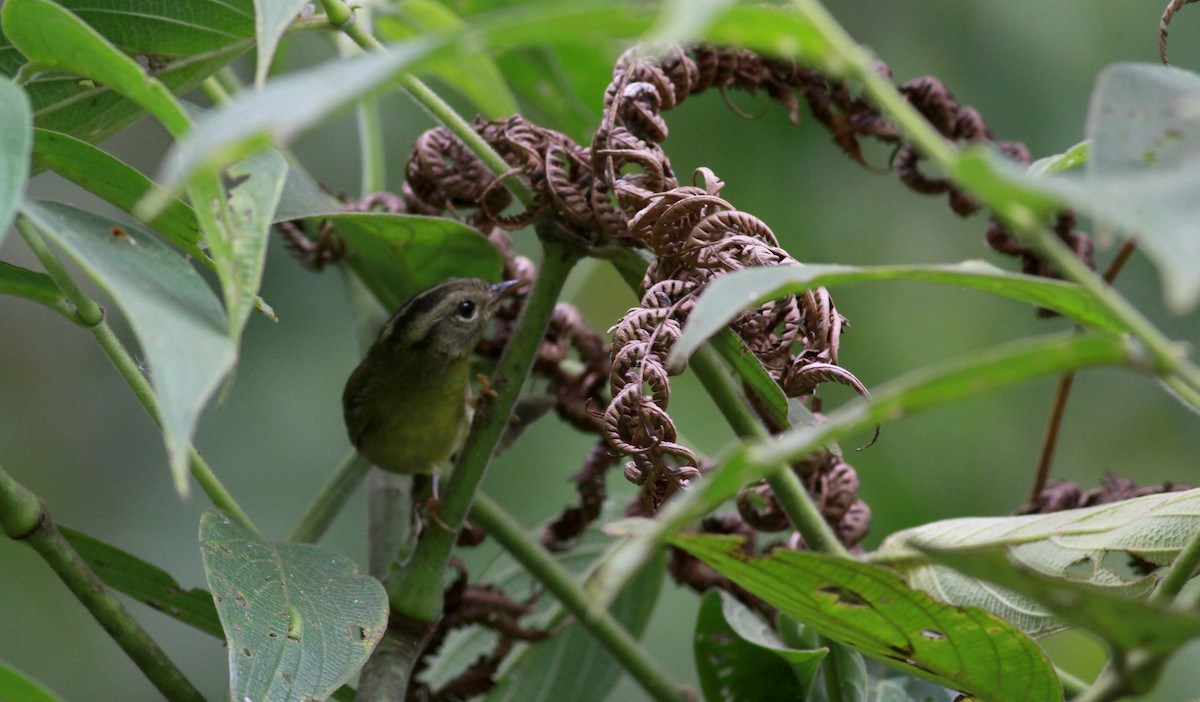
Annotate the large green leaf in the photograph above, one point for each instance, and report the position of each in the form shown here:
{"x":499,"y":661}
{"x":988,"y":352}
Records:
{"x":53,"y":38}
{"x":16,"y":140}
{"x":34,"y":286}
{"x":179,"y":43}
{"x":731,"y":294}
{"x":872,"y":611}
{"x":1126,"y":624}
{"x":1086,"y":546}
{"x":573,"y":665}
{"x":299,"y":620}
{"x":146,"y":583}
{"x":114,"y":181}
{"x":739,"y":658}
{"x":16,"y":687}
{"x":175,"y":316}
{"x":473,"y":74}
{"x":399,"y":255}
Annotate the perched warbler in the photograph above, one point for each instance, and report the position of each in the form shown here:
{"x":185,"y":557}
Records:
{"x":405,"y":405}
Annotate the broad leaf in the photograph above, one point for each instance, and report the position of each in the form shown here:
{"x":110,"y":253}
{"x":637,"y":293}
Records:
{"x":299,"y":620}
{"x":739,"y":657}
{"x":773,"y":31}
{"x":399,"y":255}
{"x":271,"y":20}
{"x":53,"y":38}
{"x":1073,"y":157}
{"x":1126,"y":624}
{"x":731,"y":294}
{"x":472,"y":73}
{"x":175,"y":316}
{"x":179,"y":43}
{"x":683,"y":21}
{"x":870,"y":610}
{"x":16,"y":687}
{"x":1087,"y":546}
{"x":115,"y":182}
{"x":146,"y":583}
{"x":573,"y":665}
{"x":16,"y":140}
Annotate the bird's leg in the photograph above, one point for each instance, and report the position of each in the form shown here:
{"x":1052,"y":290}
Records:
{"x":425,"y":496}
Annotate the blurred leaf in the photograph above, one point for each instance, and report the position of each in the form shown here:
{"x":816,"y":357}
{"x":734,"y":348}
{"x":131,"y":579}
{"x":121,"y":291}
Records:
{"x":871,"y":610}
{"x":1144,"y":171}
{"x":739,"y":657}
{"x":560,"y":86}
{"x":749,"y":370}
{"x":302,"y":197}
{"x":684,"y":21}
{"x":15,"y":687}
{"x":16,"y":139}
{"x":1073,"y":157}
{"x":146,"y":583}
{"x":773,"y":31}
{"x":731,"y":294}
{"x":173,"y":313}
{"x":31,"y":285}
{"x":1081,"y":545}
{"x":1124,"y":623}
{"x":53,"y":38}
{"x":180,"y":43}
{"x":289,"y":106}
{"x":238,"y":242}
{"x":299,"y":620}
{"x":271,"y":20}
{"x":573,"y":665}
{"x":399,"y":255}
{"x":115,"y":182}
{"x":473,"y":74}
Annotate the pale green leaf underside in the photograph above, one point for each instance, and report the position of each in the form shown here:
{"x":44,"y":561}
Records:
{"x":16,"y":141}
{"x":16,"y":687}
{"x":299,"y":620}
{"x":271,"y":20}
{"x":174,"y":314}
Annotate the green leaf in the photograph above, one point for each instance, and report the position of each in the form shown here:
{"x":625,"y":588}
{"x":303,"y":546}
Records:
{"x":1124,"y":623}
{"x":870,"y":610}
{"x":731,"y":294}
{"x":1144,"y":171}
{"x":928,"y":387}
{"x":146,"y":583}
{"x":557,"y":85}
{"x":299,"y":620}
{"x":34,"y":286}
{"x":239,"y":233}
{"x":773,"y":31}
{"x":271,"y":20}
{"x":474,"y":74}
{"x":683,"y":21}
{"x":1087,"y":546}
{"x":750,"y":370}
{"x":115,"y":182}
{"x":173,"y":313}
{"x":55,"y":39}
{"x":740,"y":658}
{"x":16,"y":139}
{"x":179,"y":43}
{"x":573,"y":665}
{"x":16,"y":687}
{"x":1073,"y":157}
{"x":399,"y":255}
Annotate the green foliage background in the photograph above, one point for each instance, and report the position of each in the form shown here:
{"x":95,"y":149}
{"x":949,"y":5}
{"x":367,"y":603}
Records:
{"x":71,"y":431}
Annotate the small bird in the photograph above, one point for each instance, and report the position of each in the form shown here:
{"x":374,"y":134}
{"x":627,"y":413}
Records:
{"x":405,"y":405}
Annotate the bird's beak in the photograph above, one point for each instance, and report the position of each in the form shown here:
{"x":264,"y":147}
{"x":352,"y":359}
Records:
{"x":503,"y":290}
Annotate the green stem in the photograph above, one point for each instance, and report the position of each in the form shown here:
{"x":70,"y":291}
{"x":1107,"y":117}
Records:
{"x":793,"y":498}
{"x":849,"y":60}
{"x":537,"y":562}
{"x":91,"y":315}
{"x":371,"y":147}
{"x":342,"y":17}
{"x":417,"y":593}
{"x":215,"y":91}
{"x":1181,"y":571}
{"x":24,"y":518}
{"x":1071,"y":685}
{"x":330,"y":499}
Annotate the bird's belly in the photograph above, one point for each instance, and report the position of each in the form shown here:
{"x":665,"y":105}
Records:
{"x":415,"y":445}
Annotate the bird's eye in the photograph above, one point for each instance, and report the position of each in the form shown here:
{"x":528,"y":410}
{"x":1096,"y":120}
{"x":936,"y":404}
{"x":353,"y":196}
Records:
{"x":465,"y":310}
